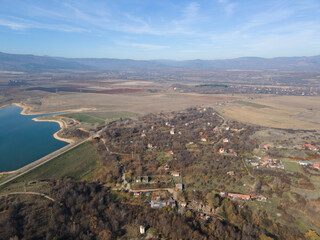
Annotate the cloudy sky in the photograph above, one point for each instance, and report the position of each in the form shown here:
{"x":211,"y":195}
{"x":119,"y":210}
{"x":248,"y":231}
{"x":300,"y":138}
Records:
{"x":161,"y":29}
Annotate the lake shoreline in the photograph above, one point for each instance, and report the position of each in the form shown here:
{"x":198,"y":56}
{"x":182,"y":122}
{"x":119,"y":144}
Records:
{"x":55,"y":135}
{"x":27,"y":110}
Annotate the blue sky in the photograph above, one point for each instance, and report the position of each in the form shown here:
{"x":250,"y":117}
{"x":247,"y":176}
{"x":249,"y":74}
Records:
{"x":161,"y":29}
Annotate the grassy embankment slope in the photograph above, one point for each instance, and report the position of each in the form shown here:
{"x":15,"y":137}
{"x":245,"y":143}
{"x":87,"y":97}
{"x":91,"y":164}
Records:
{"x":77,"y":164}
{"x":98,"y":117}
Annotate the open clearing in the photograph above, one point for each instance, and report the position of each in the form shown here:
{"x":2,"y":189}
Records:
{"x":288,"y":112}
{"x":292,"y":166}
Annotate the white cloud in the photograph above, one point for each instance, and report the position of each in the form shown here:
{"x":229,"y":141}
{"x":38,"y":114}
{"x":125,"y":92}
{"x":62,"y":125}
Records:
{"x":229,"y":7}
{"x":13,"y":25}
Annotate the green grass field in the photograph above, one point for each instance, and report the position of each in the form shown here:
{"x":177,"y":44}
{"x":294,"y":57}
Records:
{"x":76,"y":164}
{"x":99,"y":117}
{"x":292,"y":167}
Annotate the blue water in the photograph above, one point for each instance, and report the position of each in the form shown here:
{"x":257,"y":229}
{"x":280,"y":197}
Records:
{"x":23,"y":140}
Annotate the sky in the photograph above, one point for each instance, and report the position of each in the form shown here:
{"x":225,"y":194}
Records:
{"x":161,"y":29}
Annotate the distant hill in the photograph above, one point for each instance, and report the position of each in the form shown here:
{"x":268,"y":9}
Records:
{"x":251,"y":63}
{"x":31,"y":63}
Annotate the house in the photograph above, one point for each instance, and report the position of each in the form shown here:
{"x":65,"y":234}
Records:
{"x":172,"y":131}
{"x":183,"y":204}
{"x":304,"y":163}
{"x":311,"y":147}
{"x":172,"y":203}
{"x":225,"y":140}
{"x":316,"y":166}
{"x":170,"y":152}
{"x":255,"y":164}
{"x":223,"y":194}
{"x":236,"y":196}
{"x":149,"y":145}
{"x":148,"y":194}
{"x":143,"y":135}
{"x":231,"y":173}
{"x":142,"y":229}
{"x":136,"y":194}
{"x":262,"y":198}
{"x":167,"y":167}
{"x":227,"y":128}
{"x":158,"y":203}
{"x":145,"y":179}
{"x":221,"y":150}
{"x":179,"y":186}
{"x":203,"y":140}
{"x":265,"y":147}
{"x":175,"y":174}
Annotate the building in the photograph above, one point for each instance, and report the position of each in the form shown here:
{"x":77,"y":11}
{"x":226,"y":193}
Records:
{"x":311,"y":147}
{"x":175,"y":174}
{"x":179,"y":186}
{"x":255,"y":164}
{"x":158,"y":203}
{"x":136,"y":194}
{"x":172,"y":131}
{"x":236,"y":196}
{"x":304,"y":163}
{"x":223,"y":194}
{"x":262,"y":198}
{"x":225,"y":140}
{"x":138,"y":179}
{"x":231,"y":173}
{"x":144,"y":179}
{"x":316,"y":166}
{"x":142,"y":229}
{"x":203,"y":140}
{"x":183,"y":204}
{"x":167,"y":167}
{"x":221,"y":150}
{"x":172,"y":203}
{"x":149,"y":145}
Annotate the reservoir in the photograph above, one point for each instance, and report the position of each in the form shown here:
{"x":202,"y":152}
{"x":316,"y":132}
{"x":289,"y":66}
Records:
{"x":23,"y":140}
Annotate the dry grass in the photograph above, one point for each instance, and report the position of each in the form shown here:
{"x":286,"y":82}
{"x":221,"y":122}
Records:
{"x":140,"y":103}
{"x":289,"y":112}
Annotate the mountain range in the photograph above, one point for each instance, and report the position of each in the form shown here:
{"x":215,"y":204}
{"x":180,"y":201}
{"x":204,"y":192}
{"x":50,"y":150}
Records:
{"x":32,"y":63}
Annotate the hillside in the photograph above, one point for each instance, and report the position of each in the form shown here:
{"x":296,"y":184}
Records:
{"x":31,"y":63}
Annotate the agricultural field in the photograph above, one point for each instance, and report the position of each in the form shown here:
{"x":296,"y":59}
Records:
{"x":287,"y":112}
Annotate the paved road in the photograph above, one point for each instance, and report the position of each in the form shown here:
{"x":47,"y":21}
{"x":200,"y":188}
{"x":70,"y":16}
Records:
{"x":45,"y":159}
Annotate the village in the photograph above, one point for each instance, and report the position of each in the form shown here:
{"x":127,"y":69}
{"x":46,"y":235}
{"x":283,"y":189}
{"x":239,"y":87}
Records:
{"x":158,"y":155}
{"x":161,"y":180}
